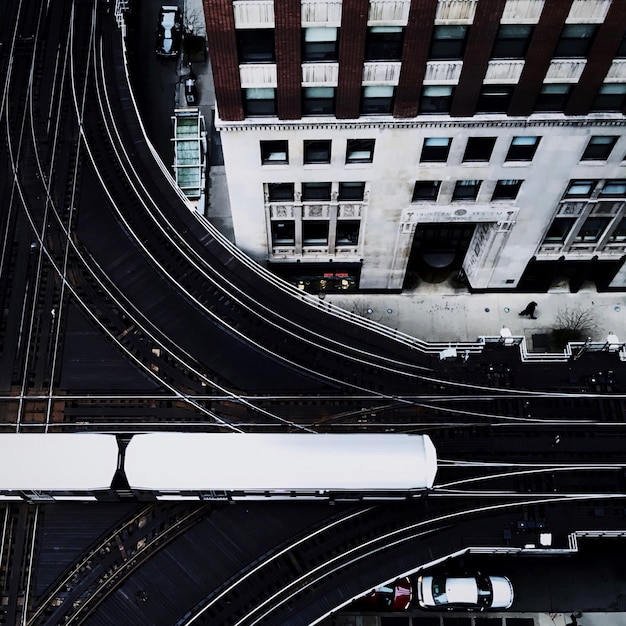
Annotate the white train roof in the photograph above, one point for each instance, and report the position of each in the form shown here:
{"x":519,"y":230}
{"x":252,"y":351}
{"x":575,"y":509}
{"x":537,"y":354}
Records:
{"x":41,"y":462}
{"x":181,"y":461}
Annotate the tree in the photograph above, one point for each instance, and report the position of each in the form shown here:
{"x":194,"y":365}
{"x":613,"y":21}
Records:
{"x":572,"y":324}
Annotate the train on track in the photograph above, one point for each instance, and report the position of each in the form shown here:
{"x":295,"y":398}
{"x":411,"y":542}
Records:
{"x":201,"y":466}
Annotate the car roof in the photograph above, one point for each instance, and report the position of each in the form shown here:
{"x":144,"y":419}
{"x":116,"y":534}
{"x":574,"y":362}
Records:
{"x":461,"y":591}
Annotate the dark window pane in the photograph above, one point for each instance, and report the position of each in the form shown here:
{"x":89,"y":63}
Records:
{"x":278,"y":192}
{"x":317,"y":151}
{"x":426,"y":190}
{"x":599,"y":148}
{"x":611,"y":97}
{"x":384,"y":43}
{"x":553,"y":97}
{"x":494,"y":99}
{"x":448,"y":42}
{"x":259,"y":102}
{"x":360,"y":150}
{"x":506,"y":189}
{"x":319,"y":44}
{"x":347,"y":233}
{"x":466,"y":190}
{"x":479,"y":148}
{"x":351,"y":191}
{"x":283,"y":233}
{"x":592,"y":229}
{"x":316,"y":191}
{"x":614,"y":188}
{"x":559,"y":229}
{"x":435,"y":149}
{"x":436,"y":99}
{"x":575,"y":40}
{"x":512,"y":41}
{"x":318,"y":101}
{"x":377,"y":100}
{"x":621,"y":51}
{"x":522,"y":149}
{"x":274,"y":152}
{"x":580,"y":188}
{"x":314,"y":232}
{"x":256,"y":45}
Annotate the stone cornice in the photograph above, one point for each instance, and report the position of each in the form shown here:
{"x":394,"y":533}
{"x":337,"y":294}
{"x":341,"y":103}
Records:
{"x":421,"y":122}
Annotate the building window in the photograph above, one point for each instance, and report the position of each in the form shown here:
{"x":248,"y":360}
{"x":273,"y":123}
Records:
{"x":317,"y":151}
{"x":580,"y":188}
{"x":256,"y":45}
{"x":494,"y":99}
{"x":284,"y":233}
{"x":614,"y":188}
{"x":599,"y":148}
{"x":506,"y":189}
{"x":347,"y":233}
{"x":260,"y":102}
{"x":553,"y":97}
{"x":611,"y":97}
{"x":351,"y":191}
{"x":384,"y":43}
{"x":436,"y":99}
{"x":274,"y":152}
{"x":592,"y":229}
{"x":319,"y":44}
{"x":448,"y":43}
{"x":314,"y":233}
{"x":619,"y":233}
{"x":575,"y":41}
{"x":280,"y":192}
{"x":360,"y":150}
{"x":318,"y":101}
{"x":426,"y":190}
{"x":522,"y":149}
{"x":512,"y":41}
{"x":377,"y":100}
{"x":316,"y":191}
{"x":559,"y":229}
{"x":479,"y":148}
{"x":435,"y":149}
{"x":466,"y":189}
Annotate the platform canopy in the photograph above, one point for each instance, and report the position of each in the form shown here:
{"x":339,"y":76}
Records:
{"x":57,"y":462}
{"x":251,"y":462}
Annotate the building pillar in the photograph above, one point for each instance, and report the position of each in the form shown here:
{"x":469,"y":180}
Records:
{"x":220,"y":27}
{"x":288,"y":21}
{"x":604,"y":48}
{"x":351,"y":53}
{"x":542,"y":46}
{"x":482,"y":35}
{"x":417,"y":36}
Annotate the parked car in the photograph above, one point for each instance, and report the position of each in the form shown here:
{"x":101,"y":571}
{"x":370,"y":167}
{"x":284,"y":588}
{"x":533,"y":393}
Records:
{"x":394,"y":597}
{"x":468,"y":593}
{"x":169,"y":34}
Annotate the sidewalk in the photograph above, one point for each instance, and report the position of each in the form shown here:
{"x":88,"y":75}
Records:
{"x":442,"y":313}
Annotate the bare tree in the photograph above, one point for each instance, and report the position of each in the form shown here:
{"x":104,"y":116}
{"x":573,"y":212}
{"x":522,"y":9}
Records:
{"x":575,"y":319}
{"x":572,"y":324}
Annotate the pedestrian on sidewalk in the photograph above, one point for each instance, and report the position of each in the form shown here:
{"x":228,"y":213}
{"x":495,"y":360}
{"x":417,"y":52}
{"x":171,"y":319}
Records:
{"x":530,"y":310}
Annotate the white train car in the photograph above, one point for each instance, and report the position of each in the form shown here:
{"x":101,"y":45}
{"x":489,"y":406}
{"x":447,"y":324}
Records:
{"x":255,"y":466}
{"x":199,"y":466}
{"x":60,"y":466}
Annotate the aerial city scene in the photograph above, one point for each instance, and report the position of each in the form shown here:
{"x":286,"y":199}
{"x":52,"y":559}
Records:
{"x":313,"y":312}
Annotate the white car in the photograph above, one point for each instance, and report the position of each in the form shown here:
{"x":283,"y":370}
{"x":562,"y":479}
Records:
{"x":468,"y":593}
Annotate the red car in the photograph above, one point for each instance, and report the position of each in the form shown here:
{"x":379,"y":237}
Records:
{"x":396,"y":596}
